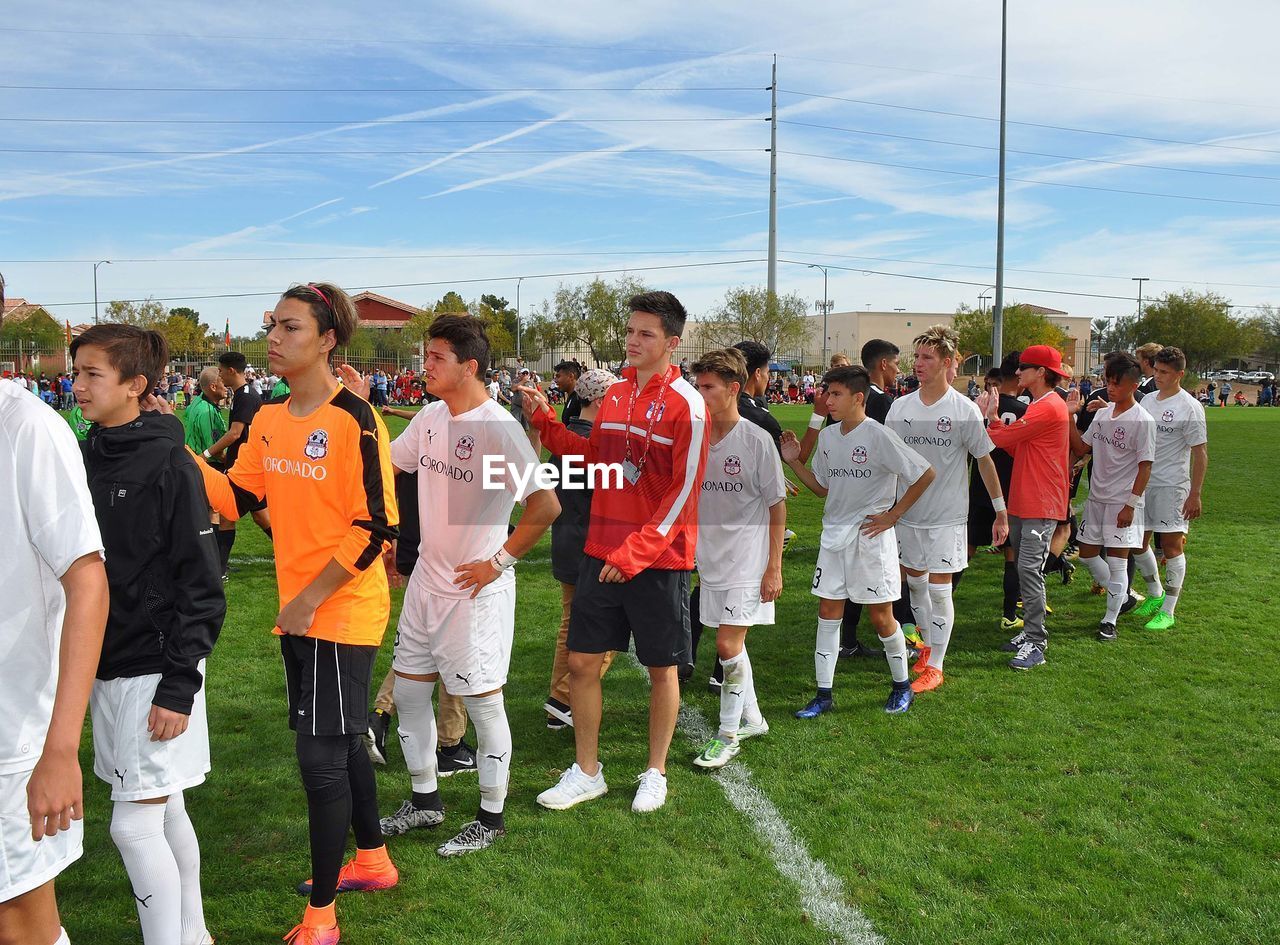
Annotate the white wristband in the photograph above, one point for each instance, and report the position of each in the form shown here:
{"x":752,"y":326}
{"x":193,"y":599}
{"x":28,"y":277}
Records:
{"x":206,"y":455}
{"x":503,"y":559}
{"x":1135,"y":500}
{"x":998,"y":503}
{"x":817,"y":421}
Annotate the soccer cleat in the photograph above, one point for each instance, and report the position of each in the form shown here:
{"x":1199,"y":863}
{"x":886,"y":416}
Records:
{"x":554,"y":724}
{"x":651,"y":792}
{"x":900,"y":698}
{"x":817,"y":705}
{"x":409,"y":818}
{"x":788,"y":537}
{"x":1067,"y":570}
{"x":1029,"y":656}
{"x":1006,"y":624}
{"x":573,"y":788}
{"x":1047,"y":608}
{"x":558,"y":710}
{"x":313,"y":935}
{"x":356,"y":877}
{"x":713,"y":685}
{"x":930,"y":679}
{"x":375,"y":739}
{"x":859,"y":649}
{"x":752,"y":729}
{"x":1107,"y":632}
{"x":1161,"y":621}
{"x":1149,"y":607}
{"x":1133,"y":600}
{"x":1016,"y":643}
{"x":1097,"y":590}
{"x":922,"y":662}
{"x":472,"y":837}
{"x":912,"y":635}
{"x":455,"y":759}
{"x":717,"y":753}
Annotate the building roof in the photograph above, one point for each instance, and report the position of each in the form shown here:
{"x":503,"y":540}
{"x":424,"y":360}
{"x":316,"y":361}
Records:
{"x":15,"y":310}
{"x":411,"y":310}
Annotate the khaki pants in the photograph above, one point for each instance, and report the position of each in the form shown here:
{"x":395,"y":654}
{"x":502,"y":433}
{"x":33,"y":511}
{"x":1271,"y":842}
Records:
{"x":451,"y":715}
{"x":560,"y":665}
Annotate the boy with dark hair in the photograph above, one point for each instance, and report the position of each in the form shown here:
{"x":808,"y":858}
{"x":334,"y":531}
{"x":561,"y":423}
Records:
{"x":245,"y":404}
{"x":566,"y":378}
{"x":150,"y":726}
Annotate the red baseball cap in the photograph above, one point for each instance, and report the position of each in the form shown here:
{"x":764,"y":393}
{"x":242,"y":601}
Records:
{"x":1047,"y":357}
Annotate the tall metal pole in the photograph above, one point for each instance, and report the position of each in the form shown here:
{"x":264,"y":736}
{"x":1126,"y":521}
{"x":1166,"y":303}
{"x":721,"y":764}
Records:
{"x":773,"y":185}
{"x":997,"y":313}
{"x":826,"y":309}
{"x":1140,"y":280}
{"x":518,"y":281}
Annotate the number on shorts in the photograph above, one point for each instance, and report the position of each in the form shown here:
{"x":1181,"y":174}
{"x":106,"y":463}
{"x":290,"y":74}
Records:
{"x":817,"y":577}
{"x":397,"y":640}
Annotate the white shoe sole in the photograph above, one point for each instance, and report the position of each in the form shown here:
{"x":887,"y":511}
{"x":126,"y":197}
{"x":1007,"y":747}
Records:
{"x":751,"y":731}
{"x":647,"y":810}
{"x":565,"y":717}
{"x":581,"y":798}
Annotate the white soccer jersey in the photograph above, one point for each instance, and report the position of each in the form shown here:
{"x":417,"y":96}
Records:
{"x":743,"y":480}
{"x":945,"y":434}
{"x":1180,"y":425}
{"x":1119,"y":444}
{"x":861,"y":470}
{"x":462,"y":521}
{"x":47,"y":520}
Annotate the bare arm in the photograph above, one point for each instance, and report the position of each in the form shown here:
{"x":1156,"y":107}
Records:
{"x":295,"y":618}
{"x":876,"y":524}
{"x":810,"y":438}
{"x":233,"y":433}
{"x":1125,"y":517}
{"x":771,"y":585}
{"x":1199,"y":466}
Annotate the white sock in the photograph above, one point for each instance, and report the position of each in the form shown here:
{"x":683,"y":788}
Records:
{"x":62,"y":938}
{"x":732,"y":694}
{"x":921,"y":605}
{"x":895,"y":651}
{"x":138,"y":831}
{"x":824,"y":653}
{"x":1175,"y":575}
{"x":493,"y":748}
{"x":750,"y":704}
{"x":1097,"y":566}
{"x":1117,"y":588}
{"x":416,"y":721}
{"x":181,"y":837}
{"x":1150,"y":571}
{"x":941,"y":623}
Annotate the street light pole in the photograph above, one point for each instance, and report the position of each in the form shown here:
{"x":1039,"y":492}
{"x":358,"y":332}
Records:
{"x":518,"y":281}
{"x":1140,"y":280}
{"x":826,"y":307}
{"x":105,"y":262}
{"x":997,"y":315}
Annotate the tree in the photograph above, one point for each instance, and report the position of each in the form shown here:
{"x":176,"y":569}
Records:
{"x":147,"y":314}
{"x":1022,"y":328}
{"x":752,"y":313}
{"x":35,"y":330}
{"x":594,"y":316}
{"x":1267,"y":325}
{"x":188,"y":313}
{"x":451,"y":303}
{"x":1200,"y":323}
{"x":185,"y":336}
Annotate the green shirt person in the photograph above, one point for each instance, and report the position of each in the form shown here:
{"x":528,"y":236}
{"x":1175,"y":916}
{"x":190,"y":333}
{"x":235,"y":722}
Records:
{"x":79,"y":425}
{"x":281,"y":389}
{"x":204,"y":422}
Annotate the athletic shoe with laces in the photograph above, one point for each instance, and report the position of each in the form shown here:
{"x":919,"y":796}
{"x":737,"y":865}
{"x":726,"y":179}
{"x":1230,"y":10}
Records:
{"x":1161,"y":621}
{"x":1029,"y":655}
{"x":1107,"y":632}
{"x":912,"y":634}
{"x":409,"y":818}
{"x":788,"y":537}
{"x":922,"y":661}
{"x":717,"y":753}
{"x":816,"y":707}
{"x":356,"y":877}
{"x":472,"y":837}
{"x":713,"y":685}
{"x":311,"y":935}
{"x":929,"y":679}
{"x":651,"y":791}
{"x":456,"y":759}
{"x":1067,"y":570}
{"x":1149,"y":607}
{"x":1007,"y":624}
{"x":1016,"y":643}
{"x":859,"y":649}
{"x":1133,"y":600}
{"x":900,"y":698}
{"x":558,"y":710}
{"x":573,"y":788}
{"x":752,"y":729}
{"x":375,"y":739}
{"x":554,"y":724}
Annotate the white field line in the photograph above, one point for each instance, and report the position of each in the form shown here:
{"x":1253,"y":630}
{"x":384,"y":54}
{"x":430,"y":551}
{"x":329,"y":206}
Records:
{"x":821,"y":891}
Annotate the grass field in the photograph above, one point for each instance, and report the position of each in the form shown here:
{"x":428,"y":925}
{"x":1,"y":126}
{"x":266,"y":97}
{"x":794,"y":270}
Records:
{"x":1120,"y":794}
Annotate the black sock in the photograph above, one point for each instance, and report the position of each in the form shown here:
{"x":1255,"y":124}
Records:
{"x":1052,"y":564}
{"x":695,"y":623}
{"x":490,"y":819}
{"x":322,"y":760}
{"x":1132,"y":567}
{"x":225,"y":540}
{"x":956,"y":578}
{"x":902,"y":611}
{"x":849,"y":625}
{"x":267,"y":532}
{"x":1010,"y":590}
{"x":824,"y":693}
{"x":428,"y":801}
{"x":364,"y":796}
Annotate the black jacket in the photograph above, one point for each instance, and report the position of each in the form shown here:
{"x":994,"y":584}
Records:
{"x":167,"y":602}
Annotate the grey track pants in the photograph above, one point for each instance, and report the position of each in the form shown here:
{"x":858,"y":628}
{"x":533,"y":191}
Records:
{"x":1030,"y":538}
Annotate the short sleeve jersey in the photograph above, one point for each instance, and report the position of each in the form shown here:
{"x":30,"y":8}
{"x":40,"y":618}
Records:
{"x":860,"y":470}
{"x":204,"y":424}
{"x":1011,"y":408}
{"x":467,"y":488}
{"x":48,"y":522}
{"x":245,"y":404}
{"x":1120,"y":443}
{"x":743,"y":480}
{"x":1180,"y":425}
{"x":945,"y":434}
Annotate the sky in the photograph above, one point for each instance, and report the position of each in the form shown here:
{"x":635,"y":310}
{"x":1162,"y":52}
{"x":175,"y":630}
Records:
{"x":217,"y":153}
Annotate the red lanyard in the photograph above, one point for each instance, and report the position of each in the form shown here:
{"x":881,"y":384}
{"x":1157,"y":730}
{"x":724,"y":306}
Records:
{"x":655,"y":409}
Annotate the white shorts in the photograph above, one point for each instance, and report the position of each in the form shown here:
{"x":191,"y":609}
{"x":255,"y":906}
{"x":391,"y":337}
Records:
{"x":734,"y":606}
{"x":124,"y":755}
{"x":25,"y":864}
{"x":865,"y":572}
{"x":1162,"y":510}
{"x":468,"y":642}
{"x":1098,"y":526}
{"x":940,"y":550}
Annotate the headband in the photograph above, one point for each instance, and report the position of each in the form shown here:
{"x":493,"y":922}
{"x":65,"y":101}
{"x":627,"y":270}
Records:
{"x":316,"y":289}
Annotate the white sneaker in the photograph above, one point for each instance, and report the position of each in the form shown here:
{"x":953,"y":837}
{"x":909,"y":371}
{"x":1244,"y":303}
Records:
{"x":750,"y":729}
{"x":574,"y":788}
{"x":652,"y":792}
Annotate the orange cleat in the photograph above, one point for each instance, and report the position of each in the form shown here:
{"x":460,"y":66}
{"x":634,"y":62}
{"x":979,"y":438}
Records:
{"x":369,"y":871}
{"x":318,"y":927}
{"x":922,"y":663}
{"x":929,"y":679}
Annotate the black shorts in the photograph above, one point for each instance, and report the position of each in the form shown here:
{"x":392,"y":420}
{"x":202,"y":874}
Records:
{"x":653,"y":607}
{"x":981,"y":518}
{"x":328,"y":685}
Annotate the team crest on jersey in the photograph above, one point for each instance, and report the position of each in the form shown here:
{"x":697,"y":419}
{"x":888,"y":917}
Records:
{"x":1167,"y":416}
{"x":732,"y":466}
{"x":662,"y":408}
{"x":859,"y":454}
{"x":464,"y":447}
{"x":1118,"y":435}
{"x":944,"y":424}
{"x":317,"y":445}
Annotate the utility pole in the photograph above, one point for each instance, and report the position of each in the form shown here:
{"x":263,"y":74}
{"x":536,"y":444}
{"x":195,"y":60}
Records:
{"x":773,"y":186}
{"x":826,"y":310}
{"x":997,"y":313}
{"x":1140,"y":280}
{"x":105,"y":262}
{"x":518,"y":281}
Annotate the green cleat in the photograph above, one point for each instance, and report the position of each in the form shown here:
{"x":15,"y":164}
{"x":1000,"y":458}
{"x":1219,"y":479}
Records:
{"x":1160,"y":621}
{"x":1149,"y":608}
{"x":717,"y":753}
{"x":912,"y":635}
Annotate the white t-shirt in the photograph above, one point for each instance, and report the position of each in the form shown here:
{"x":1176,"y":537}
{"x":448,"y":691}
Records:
{"x":1180,"y":425}
{"x":743,"y":480}
{"x":1119,"y":444}
{"x":47,"y":520}
{"x":462,"y":521}
{"x":860,"y":470}
{"x":494,"y":387}
{"x":945,"y":434}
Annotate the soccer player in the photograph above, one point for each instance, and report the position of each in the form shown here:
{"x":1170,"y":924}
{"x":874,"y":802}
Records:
{"x":245,"y":404}
{"x":945,"y":428}
{"x":55,"y":589}
{"x":1146,"y":355}
{"x":150,"y":725}
{"x":321,"y":461}
{"x":1173,"y":494}
{"x":641,"y":537}
{"x":1038,"y":494}
{"x":741,"y":519}
{"x":857,"y":469}
{"x":203,"y":420}
{"x":458,"y":619}
{"x":1122,"y":440}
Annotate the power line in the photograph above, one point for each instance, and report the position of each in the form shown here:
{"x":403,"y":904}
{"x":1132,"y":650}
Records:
{"x":387,"y":90}
{"x":366,"y":152}
{"x":366,"y":121}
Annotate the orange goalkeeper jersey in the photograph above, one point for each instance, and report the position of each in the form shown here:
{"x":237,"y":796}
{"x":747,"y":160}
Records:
{"x":328,"y":482}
